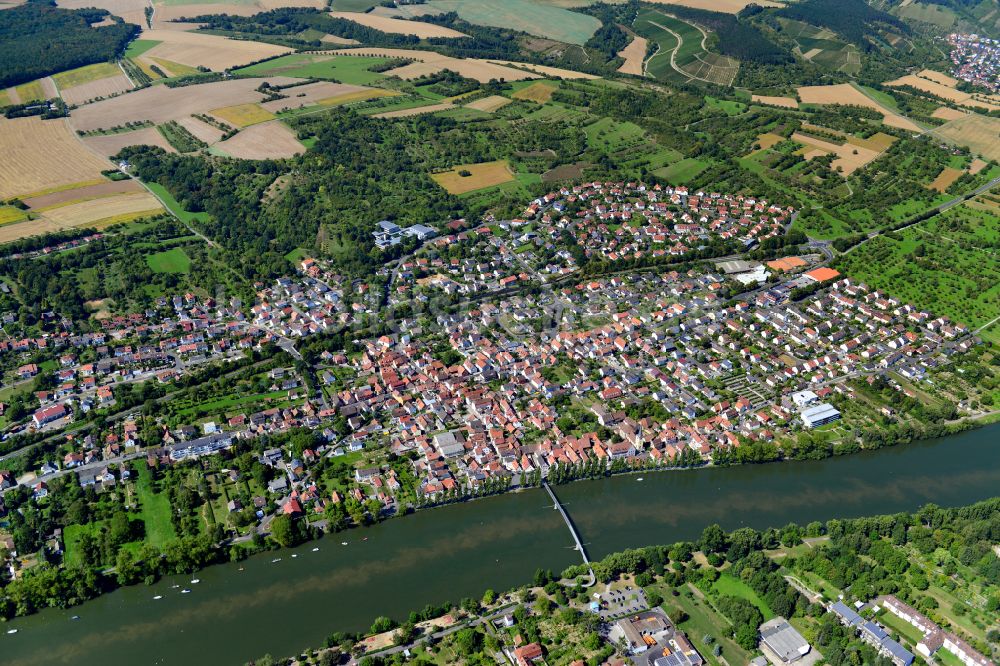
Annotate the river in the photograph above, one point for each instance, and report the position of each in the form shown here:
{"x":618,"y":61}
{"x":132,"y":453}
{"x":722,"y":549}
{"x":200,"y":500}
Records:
{"x":233,"y":615}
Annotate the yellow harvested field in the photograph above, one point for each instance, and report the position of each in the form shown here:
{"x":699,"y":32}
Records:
{"x":786,"y":102}
{"x":429,"y":62}
{"x":725,"y":6}
{"x":978,"y":133}
{"x":111,"y":144}
{"x":310,"y":94}
{"x":484,"y":174}
{"x":333,"y":39}
{"x":811,"y":53}
{"x":767,"y":139}
{"x":130,"y":10}
{"x":243,"y":115}
{"x":201,"y":130}
{"x":945,"y":113}
{"x":540,"y":92}
{"x":943,"y":79}
{"x":544,"y":70}
{"x":158,"y":104}
{"x":849,"y":158}
{"x":105,"y":87}
{"x":265,"y":141}
{"x":634,"y":55}
{"x":41,"y":155}
{"x":878,"y":142}
{"x":489,"y":104}
{"x":359,"y":96}
{"x":846,"y":94}
{"x":944,"y":179}
{"x":976,"y":165}
{"x":169,"y":67}
{"x":93,"y":211}
{"x":943,"y":86}
{"x":199,"y":49}
{"x":399,"y":26}
{"x":415,"y":111}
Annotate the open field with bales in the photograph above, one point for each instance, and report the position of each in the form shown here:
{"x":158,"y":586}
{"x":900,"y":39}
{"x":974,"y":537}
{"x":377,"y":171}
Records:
{"x":399,"y":26}
{"x":41,"y":155}
{"x":978,"y":133}
{"x":469,"y":177}
{"x":845,"y":93}
{"x":270,"y":140}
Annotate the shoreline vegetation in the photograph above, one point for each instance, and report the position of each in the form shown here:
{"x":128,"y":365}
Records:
{"x":740,"y":579}
{"x":51,"y":586}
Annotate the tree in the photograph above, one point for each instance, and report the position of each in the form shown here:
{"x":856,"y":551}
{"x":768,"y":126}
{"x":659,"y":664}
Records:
{"x":713,"y":539}
{"x":468,"y":642}
{"x":382,"y":624}
{"x":285,"y":531}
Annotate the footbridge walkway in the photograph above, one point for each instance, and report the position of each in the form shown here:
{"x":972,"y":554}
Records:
{"x":572,"y":530}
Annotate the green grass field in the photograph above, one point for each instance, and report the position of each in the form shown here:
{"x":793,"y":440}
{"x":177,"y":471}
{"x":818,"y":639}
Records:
{"x":30,"y":92}
{"x":682,"y":172}
{"x":155,"y":509}
{"x":81,"y":75}
{"x":731,"y":108}
{"x":140,"y":46}
{"x":533,"y":18}
{"x":346,"y":69}
{"x":174,"y":260}
{"x":727,"y":585}
{"x":173,"y":206}
{"x":942,"y":17}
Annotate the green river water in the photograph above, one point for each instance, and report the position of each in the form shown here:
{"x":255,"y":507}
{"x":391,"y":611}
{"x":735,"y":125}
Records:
{"x":445,"y":554}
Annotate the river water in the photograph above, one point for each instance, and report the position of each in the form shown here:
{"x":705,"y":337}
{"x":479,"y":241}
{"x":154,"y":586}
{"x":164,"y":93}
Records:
{"x":233,"y":615}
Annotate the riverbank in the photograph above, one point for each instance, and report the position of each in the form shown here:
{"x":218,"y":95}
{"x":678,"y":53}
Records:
{"x":243,"y":610}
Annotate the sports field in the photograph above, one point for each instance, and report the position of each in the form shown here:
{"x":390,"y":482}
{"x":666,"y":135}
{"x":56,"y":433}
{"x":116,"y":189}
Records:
{"x":485,"y":174}
{"x":533,"y":18}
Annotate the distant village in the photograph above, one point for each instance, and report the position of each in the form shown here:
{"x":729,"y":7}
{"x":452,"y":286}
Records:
{"x":976,"y":60}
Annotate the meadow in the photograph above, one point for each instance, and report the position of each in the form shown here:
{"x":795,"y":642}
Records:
{"x":347,"y":69}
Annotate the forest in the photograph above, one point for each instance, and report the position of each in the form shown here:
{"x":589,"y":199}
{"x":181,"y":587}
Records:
{"x":854,"y":20}
{"x":38,"y":39}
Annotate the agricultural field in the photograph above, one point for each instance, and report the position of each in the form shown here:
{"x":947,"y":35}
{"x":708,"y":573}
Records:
{"x":399,"y":26}
{"x":469,"y":177}
{"x":533,"y":18}
{"x":785,"y":102}
{"x":195,"y":49}
{"x":130,"y":10}
{"x":105,"y":87}
{"x":489,"y":104}
{"x":415,"y":110}
{"x":945,"y":87}
{"x":111,"y":144}
{"x":201,"y":130}
{"x":634,"y":55}
{"x":851,"y":156}
{"x":86,"y":74}
{"x":349,"y":69}
{"x":242,"y":115}
{"x":310,"y":94}
{"x":158,"y":104}
{"x":976,"y":132}
{"x":264,"y":141}
{"x":103,"y":211}
{"x":937,"y":15}
{"x":9,"y":214}
{"x":946,"y":265}
{"x":682,"y":48}
{"x":822,"y":47}
{"x":429,"y":62}
{"x":725,"y":6}
{"x":41,"y":155}
{"x":845,"y":93}
{"x":946,"y":113}
{"x":944,"y":179}
{"x":540,"y":91}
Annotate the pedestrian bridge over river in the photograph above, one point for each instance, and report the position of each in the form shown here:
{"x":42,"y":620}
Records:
{"x":572,"y":530}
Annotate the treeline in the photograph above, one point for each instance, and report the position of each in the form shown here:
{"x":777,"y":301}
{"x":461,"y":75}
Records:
{"x":854,"y":20}
{"x":38,"y":39}
{"x":610,"y":38}
{"x":737,"y":38}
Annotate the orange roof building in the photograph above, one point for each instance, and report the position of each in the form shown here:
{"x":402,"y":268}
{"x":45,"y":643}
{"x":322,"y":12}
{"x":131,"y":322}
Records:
{"x":786,"y":264}
{"x":822,"y":274}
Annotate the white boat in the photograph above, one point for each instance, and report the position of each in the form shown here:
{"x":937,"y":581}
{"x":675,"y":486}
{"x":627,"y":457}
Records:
{"x":315,"y":550}
{"x":157,"y":597}
{"x":75,"y":617}
{"x":195,"y":581}
{"x":12,"y":631}
{"x":343,"y":543}
{"x":639,"y":479}
{"x":185,"y":591}
{"x":275,"y":560}
{"x":174,"y":587}
{"x":295,"y":555}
